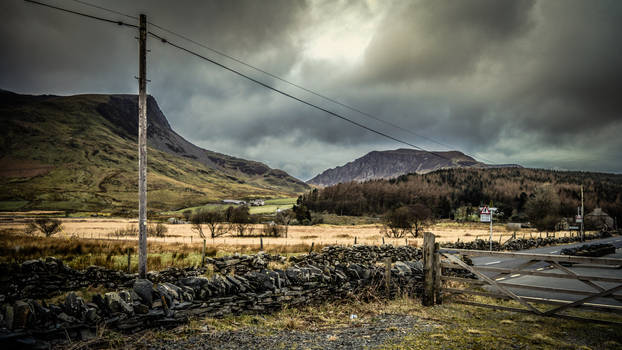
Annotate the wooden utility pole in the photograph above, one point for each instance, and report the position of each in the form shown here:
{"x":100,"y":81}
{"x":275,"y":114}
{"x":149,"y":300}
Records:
{"x":142,"y":149}
{"x":582,"y":216}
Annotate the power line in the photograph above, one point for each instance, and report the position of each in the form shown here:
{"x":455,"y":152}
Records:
{"x":357,"y":110}
{"x":105,"y":9}
{"x":121,"y":23}
{"x":164,"y":40}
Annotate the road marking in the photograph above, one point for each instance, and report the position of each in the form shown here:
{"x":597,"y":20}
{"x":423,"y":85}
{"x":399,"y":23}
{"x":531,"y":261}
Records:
{"x":618,"y":240}
{"x":515,"y":275}
{"x":500,"y":279}
{"x":493,"y":262}
{"x":540,"y":269}
{"x":555,"y":251}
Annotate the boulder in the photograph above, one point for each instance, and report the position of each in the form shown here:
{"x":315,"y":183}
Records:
{"x":9,"y":316}
{"x":74,"y":305}
{"x":21,"y":314}
{"x":115,"y":303}
{"x":144,"y":288}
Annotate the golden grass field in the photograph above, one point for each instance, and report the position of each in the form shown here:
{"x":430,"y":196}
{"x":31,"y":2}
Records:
{"x":104,"y":228}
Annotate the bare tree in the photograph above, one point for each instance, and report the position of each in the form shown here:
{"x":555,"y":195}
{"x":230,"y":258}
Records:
{"x":240,"y":219}
{"x":214,"y":220}
{"x":197,"y":220}
{"x":284,"y":218}
{"x":407,"y":220}
{"x":47,"y":226}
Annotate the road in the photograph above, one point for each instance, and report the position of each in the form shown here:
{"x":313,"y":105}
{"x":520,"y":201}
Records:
{"x":562,"y":283}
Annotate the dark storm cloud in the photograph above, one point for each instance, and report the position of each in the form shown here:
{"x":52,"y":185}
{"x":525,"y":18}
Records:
{"x":529,"y":82}
{"x":432,"y":39}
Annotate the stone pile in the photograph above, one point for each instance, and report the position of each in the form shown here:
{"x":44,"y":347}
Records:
{"x":360,"y":254}
{"x":241,"y":264}
{"x":593,"y":250}
{"x":144,"y":303}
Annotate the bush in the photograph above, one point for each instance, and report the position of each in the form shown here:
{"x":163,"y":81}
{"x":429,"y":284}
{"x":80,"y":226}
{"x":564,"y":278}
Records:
{"x":158,"y":230}
{"x":407,"y":219}
{"x":271,"y":229}
{"x":47,"y":226}
{"x":129,"y":230}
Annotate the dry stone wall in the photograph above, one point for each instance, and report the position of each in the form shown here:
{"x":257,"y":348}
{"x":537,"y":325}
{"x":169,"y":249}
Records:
{"x":521,"y":243}
{"x":170,"y":297}
{"x":46,"y":278}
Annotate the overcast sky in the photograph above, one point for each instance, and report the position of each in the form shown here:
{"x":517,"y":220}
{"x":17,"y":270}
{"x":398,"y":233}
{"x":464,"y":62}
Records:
{"x":538,"y":83}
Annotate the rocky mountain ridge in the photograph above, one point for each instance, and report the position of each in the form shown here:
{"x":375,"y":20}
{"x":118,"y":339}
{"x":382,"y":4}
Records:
{"x":391,"y":164}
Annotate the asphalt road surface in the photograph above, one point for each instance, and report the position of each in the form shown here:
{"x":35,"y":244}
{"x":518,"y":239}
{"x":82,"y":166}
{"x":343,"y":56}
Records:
{"x":562,"y":283}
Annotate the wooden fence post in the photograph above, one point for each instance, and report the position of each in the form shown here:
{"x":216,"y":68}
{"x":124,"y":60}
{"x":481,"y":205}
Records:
{"x":428,"y":269}
{"x":438,"y":296}
{"x":354,"y":239}
{"x":382,"y":240}
{"x":261,"y":243}
{"x":311,"y":249}
{"x":387,"y":276}
{"x":129,"y":260}
{"x":203,"y":254}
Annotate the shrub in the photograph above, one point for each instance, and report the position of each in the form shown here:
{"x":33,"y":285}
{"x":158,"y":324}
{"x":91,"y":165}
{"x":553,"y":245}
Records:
{"x":47,"y":226}
{"x":271,"y":229}
{"x":407,"y":219}
{"x":129,"y":230}
{"x":158,"y":230}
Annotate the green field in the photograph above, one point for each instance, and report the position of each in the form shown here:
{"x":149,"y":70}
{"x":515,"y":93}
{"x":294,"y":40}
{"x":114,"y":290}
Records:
{"x":270,"y":207}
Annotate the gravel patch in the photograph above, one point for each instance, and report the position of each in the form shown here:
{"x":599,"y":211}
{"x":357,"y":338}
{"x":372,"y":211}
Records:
{"x":358,"y":335}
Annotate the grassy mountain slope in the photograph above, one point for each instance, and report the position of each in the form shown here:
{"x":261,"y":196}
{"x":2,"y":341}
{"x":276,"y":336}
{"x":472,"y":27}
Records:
{"x":63,"y":153}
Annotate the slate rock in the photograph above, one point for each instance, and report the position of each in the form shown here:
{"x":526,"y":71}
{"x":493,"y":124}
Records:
{"x":144,"y":288}
{"x":21,"y":314}
{"x":115,"y":303}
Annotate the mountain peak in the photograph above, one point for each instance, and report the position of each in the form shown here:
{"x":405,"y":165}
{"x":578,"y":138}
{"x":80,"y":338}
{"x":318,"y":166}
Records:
{"x":393,"y":163}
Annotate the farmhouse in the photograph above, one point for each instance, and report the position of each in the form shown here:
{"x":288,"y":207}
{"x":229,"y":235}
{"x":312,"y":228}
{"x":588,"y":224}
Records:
{"x":257,"y":202}
{"x":233,"y":201}
{"x":599,"y":219}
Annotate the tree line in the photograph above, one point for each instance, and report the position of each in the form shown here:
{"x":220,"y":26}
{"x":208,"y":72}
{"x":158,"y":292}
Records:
{"x":452,"y":193}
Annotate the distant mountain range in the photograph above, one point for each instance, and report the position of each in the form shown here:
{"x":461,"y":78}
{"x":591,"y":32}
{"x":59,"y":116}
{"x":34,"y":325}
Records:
{"x":391,"y":164}
{"x":80,"y":153}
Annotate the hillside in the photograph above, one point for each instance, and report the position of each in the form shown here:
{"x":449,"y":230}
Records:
{"x":446,"y":190}
{"x":80,"y":153}
{"x":391,"y":164}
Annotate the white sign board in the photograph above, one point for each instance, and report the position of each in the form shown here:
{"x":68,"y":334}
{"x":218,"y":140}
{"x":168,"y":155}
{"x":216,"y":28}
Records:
{"x":579,"y":219}
{"x":484,"y":215}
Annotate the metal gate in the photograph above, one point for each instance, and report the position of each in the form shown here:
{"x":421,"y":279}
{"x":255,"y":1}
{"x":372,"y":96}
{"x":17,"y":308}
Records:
{"x":439,"y":263}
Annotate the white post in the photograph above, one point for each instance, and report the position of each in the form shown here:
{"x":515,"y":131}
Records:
{"x":582,"y":216}
{"x":490,"y":231}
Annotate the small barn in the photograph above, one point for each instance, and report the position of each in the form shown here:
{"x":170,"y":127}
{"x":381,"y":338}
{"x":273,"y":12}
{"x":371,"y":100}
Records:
{"x":598,"y":219}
